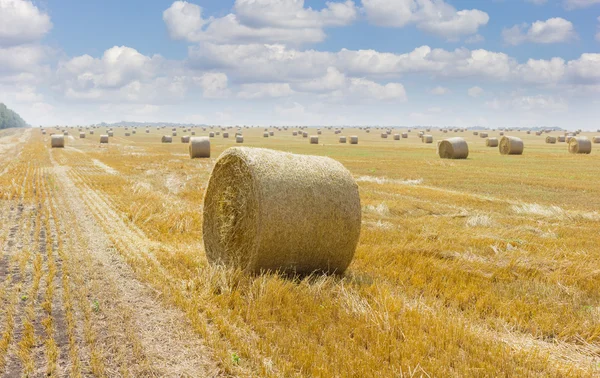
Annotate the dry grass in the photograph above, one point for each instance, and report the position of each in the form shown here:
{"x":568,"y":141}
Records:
{"x":458,"y":272}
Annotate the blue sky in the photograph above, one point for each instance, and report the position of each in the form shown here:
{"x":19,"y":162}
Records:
{"x":370,"y":62}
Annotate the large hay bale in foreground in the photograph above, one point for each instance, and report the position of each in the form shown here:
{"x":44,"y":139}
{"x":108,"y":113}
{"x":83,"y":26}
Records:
{"x":550,"y":139}
{"x":268,"y":210}
{"x":314,"y":139}
{"x":199,"y":147}
{"x":57,"y":141}
{"x":580,"y":145}
{"x":491,"y":142}
{"x":510,"y":145}
{"x":104,"y":138}
{"x":453,"y":148}
{"x":354,"y":139}
{"x":166,"y":139}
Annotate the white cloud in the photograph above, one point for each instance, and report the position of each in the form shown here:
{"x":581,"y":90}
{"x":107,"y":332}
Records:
{"x":541,"y":71}
{"x":262,"y":90}
{"x":477,"y":38}
{"x":585,"y":70}
{"x":21,"y":22}
{"x":572,"y":4}
{"x":475,"y":91}
{"x":24,"y":62}
{"x":439,"y":91}
{"x":537,"y":2}
{"x":517,"y":102}
{"x":258,"y":21}
{"x":553,"y":30}
{"x":214,"y":84}
{"x":433,"y":16}
{"x":369,"y":89}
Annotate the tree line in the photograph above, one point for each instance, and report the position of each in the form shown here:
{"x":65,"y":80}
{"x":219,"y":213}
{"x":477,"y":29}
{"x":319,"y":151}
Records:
{"x":9,"y":118}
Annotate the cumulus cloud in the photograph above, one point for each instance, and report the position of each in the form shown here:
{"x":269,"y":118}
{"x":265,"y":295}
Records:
{"x":433,"y":16}
{"x":21,"y":22}
{"x":439,"y":91}
{"x":517,"y":102}
{"x":262,"y":90}
{"x":258,"y":21}
{"x":537,"y":2}
{"x":553,"y":30}
{"x":214,"y":84}
{"x":475,"y":91}
{"x":573,"y":4}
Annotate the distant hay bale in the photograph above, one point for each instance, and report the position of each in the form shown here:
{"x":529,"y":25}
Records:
{"x":265,"y":135}
{"x":367,"y":131}
{"x":404,"y":135}
{"x":174,"y":133}
{"x":211,"y":134}
{"x":342,"y":139}
{"x":57,"y":141}
{"x":193,"y":133}
{"x":166,"y":139}
{"x":104,"y":138}
{"x":491,"y":142}
{"x":314,"y":139}
{"x":43,"y":132}
{"x":475,"y":133}
{"x":82,"y":135}
{"x":110,"y":134}
{"x":580,"y":145}
{"x":65,"y":132}
{"x":384,"y":135}
{"x":483,"y":135}
{"x":304,"y":135}
{"x":255,"y":195}
{"x":225,"y":135}
{"x":199,"y":147}
{"x":528,"y":131}
{"x":596,"y":139}
{"x":511,"y":145}
{"x":501,"y":133}
{"x":185,"y":139}
{"x":147,"y":131}
{"x":561,"y":138}
{"x":271,"y":133}
{"x":550,"y":139}
{"x":295,"y":133}
{"x":427,"y":139}
{"x":239,"y":139}
{"x":396,"y":136}
{"x":127,"y":134}
{"x":354,"y":139}
{"x":453,"y":148}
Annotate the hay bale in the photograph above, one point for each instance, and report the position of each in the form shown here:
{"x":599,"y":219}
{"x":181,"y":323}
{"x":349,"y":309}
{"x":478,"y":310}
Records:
{"x":396,"y":136}
{"x":211,"y":134}
{"x":314,"y":139}
{"x":91,"y":132}
{"x":304,"y":135}
{"x":580,"y":145}
{"x":511,"y":145}
{"x":491,"y":142}
{"x":354,"y":139}
{"x":193,"y":133}
{"x":453,"y":148}
{"x":568,"y":138}
{"x":404,"y":135}
{"x":199,"y":147}
{"x":427,"y":139}
{"x":82,"y":135}
{"x":561,"y":138}
{"x":271,"y":133}
{"x":268,"y":210}
{"x":166,"y":139}
{"x":550,"y":139}
{"x":483,"y":135}
{"x":185,"y":139}
{"x":384,"y":135}
{"x":265,"y":135}
{"x":147,"y":131}
{"x":596,"y":139}
{"x":239,"y":139}
{"x":104,"y":138}
{"x":57,"y":141}
{"x":127,"y":134}
{"x":475,"y":133}
{"x":342,"y":139}
{"x":110,"y":134}
{"x":295,"y":133}
{"x":174,"y":133}
{"x":225,"y":135}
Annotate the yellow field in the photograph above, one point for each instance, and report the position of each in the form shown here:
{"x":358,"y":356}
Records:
{"x":488,"y":266}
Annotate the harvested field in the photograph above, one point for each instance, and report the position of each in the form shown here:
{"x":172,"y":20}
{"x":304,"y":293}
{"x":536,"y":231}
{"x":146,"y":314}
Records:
{"x":472,"y":267}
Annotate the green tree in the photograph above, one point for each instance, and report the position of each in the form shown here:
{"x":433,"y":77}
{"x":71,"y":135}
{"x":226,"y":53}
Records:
{"x":9,"y":118}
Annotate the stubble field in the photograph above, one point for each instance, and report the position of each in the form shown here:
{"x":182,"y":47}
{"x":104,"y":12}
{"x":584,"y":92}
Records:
{"x":488,"y":266}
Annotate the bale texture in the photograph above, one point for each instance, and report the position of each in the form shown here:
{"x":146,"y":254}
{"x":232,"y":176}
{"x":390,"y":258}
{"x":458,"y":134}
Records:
{"x":166,"y":139}
{"x":268,"y":210}
{"x":199,"y":147}
{"x":57,"y":141}
{"x":491,"y":142}
{"x":580,"y":145}
{"x":354,"y":139}
{"x":453,"y":148}
{"x":511,"y":145}
{"x":314,"y":139}
{"x":104,"y":138}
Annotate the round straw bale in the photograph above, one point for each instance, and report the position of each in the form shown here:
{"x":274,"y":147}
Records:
{"x":396,"y":136}
{"x":271,"y":133}
{"x":57,"y":141}
{"x":384,"y":135}
{"x":174,"y":133}
{"x":104,"y":138}
{"x":596,"y":139}
{"x":404,"y":135}
{"x":560,"y":138}
{"x":225,"y":135}
{"x":511,"y":145}
{"x":475,"y":133}
{"x":453,"y":148}
{"x":354,"y":139}
{"x":211,"y":134}
{"x":193,"y":133}
{"x":147,"y":131}
{"x":367,"y":131}
{"x":580,"y":145}
{"x":427,"y":139}
{"x":199,"y":147}
{"x":239,"y":139}
{"x":82,"y":135}
{"x":342,"y":139}
{"x":295,"y":133}
{"x":550,"y":139}
{"x":110,"y":133}
{"x":185,"y":139}
{"x":166,"y":139}
{"x":314,"y":139}
{"x":268,"y":210}
{"x":491,"y":142}
{"x":127,"y":134}
{"x":568,"y":138}
{"x":265,"y":135}
{"x":483,"y":135}
{"x":304,"y":135}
